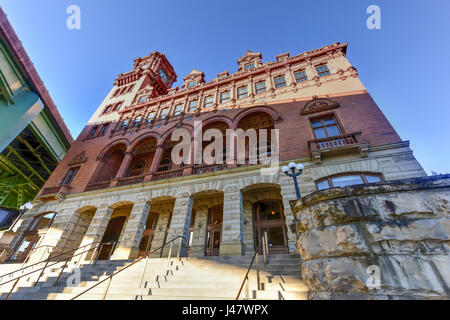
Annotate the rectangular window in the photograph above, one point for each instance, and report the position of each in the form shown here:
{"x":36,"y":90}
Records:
{"x":137,"y":121}
{"x":260,"y":87}
{"x":325,"y":127}
{"x":70,"y":176}
{"x":300,"y":76}
{"x":242,"y":92}
{"x":192,"y":84}
{"x":142,"y":99}
{"x":225,"y":97}
{"x":164,"y":113}
{"x":193,"y":105}
{"x":323,"y":70}
{"x":151,"y":116}
{"x":104,"y":129}
{"x":280,"y":82}
{"x":249,"y":66}
{"x":117,"y":106}
{"x":107,"y":109}
{"x":209,"y":101}
{"x":93,"y":132}
{"x":124,"y":124}
{"x":178,"y":110}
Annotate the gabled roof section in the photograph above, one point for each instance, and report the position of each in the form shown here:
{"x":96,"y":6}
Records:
{"x":193,"y":79}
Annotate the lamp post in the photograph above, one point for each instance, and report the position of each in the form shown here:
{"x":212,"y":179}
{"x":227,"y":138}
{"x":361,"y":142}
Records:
{"x":27,"y":206}
{"x":293,"y":170}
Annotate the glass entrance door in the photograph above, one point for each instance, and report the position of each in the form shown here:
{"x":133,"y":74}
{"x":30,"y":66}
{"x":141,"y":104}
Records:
{"x":269,"y":222}
{"x":214,"y":230}
{"x":148,"y":235}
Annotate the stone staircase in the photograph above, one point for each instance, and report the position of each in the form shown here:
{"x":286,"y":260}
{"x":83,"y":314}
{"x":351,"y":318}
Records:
{"x":206,"y":278}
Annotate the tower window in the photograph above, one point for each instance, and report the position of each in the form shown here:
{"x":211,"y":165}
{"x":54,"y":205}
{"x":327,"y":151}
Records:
{"x":225,"y":97}
{"x":124,"y":124}
{"x":142,"y":99}
{"x":104,"y":129}
{"x":209,"y":101}
{"x":117,"y":106}
{"x":323,"y":70}
{"x":242,"y":92}
{"x":137,"y":121}
{"x":151,"y":116}
{"x":192,"y":84}
{"x":280,"y":82}
{"x":301,"y":76}
{"x":70,"y":175}
{"x":193,"y":106}
{"x":325,"y":127}
{"x":249,"y":66}
{"x":260,"y":87}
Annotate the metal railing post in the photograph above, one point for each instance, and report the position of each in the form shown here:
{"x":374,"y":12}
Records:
{"x":266,"y":246}
{"x":170,"y":253}
{"x":257,"y":271}
{"x":12,"y":289}
{"x":107,"y":288}
{"x":179,"y":248}
{"x":264,"y":249}
{"x":246,"y":288}
{"x":98,"y":253}
{"x":42,"y":272}
{"x":112,"y":250}
{"x":61,"y":272}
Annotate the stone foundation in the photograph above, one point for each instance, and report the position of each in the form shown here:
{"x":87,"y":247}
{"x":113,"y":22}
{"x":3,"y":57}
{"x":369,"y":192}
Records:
{"x":399,"y":230}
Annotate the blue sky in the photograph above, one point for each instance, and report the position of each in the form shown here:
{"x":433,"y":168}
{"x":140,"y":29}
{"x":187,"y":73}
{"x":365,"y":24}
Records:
{"x":405,"y":66}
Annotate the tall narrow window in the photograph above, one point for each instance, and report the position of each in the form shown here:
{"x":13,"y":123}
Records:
{"x":137,"y":121}
{"x":178,"y":110}
{"x":260,"y":87}
{"x":193,"y":106}
{"x":142,"y":99}
{"x":242,"y":92}
{"x":323,"y":70}
{"x":325,"y":127}
{"x":280,"y":82}
{"x":124,"y":124}
{"x":225,"y":97}
{"x":300,"y":76}
{"x":117,"y":106}
{"x":104,"y":129}
{"x":209,"y":101}
{"x":70,"y":176}
{"x":107,"y":109}
{"x":93,"y":132}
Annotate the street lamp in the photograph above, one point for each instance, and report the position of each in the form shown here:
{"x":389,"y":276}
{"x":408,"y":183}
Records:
{"x":27,"y":206}
{"x":294,"y":170}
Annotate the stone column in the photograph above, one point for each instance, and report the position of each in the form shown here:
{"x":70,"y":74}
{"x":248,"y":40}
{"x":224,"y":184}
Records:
{"x":179,"y":224}
{"x":199,"y":236}
{"x":290,"y":80}
{"x":96,"y":229}
{"x":157,"y":158}
{"x":233,"y":223}
{"x":128,"y":246}
{"x":124,"y":166}
{"x":248,"y":228}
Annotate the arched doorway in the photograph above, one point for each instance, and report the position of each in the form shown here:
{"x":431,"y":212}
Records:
{"x":269,"y":223}
{"x":148,"y":234}
{"x":109,"y":164}
{"x":214,"y":230}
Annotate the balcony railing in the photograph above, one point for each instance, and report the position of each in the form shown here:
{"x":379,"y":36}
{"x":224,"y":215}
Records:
{"x":130,"y":180}
{"x":209,"y":168}
{"x":333,"y":142}
{"x":51,"y":190}
{"x":98,"y":186}
{"x":167,"y":174}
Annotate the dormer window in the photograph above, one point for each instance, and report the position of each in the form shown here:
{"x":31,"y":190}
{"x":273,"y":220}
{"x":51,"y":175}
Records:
{"x":192,"y":84}
{"x":193,"y":106}
{"x":178,"y":110}
{"x":249,"y":66}
{"x":142,"y":99}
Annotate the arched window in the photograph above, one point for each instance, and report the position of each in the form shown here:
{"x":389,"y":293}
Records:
{"x":347,"y":179}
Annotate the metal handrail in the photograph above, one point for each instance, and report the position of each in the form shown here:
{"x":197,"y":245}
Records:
{"x":265,"y":249}
{"x":47,"y":260}
{"x":34,"y":249}
{"x":246,"y":280}
{"x":131,"y":264}
{"x":46,"y":265}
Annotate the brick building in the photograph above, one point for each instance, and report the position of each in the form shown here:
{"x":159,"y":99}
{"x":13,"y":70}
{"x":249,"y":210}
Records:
{"x":117,"y":182}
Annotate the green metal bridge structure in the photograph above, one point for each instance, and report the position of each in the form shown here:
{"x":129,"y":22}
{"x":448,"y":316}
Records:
{"x":33,"y":135}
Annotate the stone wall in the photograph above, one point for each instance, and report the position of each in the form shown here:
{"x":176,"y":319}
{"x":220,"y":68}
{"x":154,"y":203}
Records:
{"x":397,"y":232}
